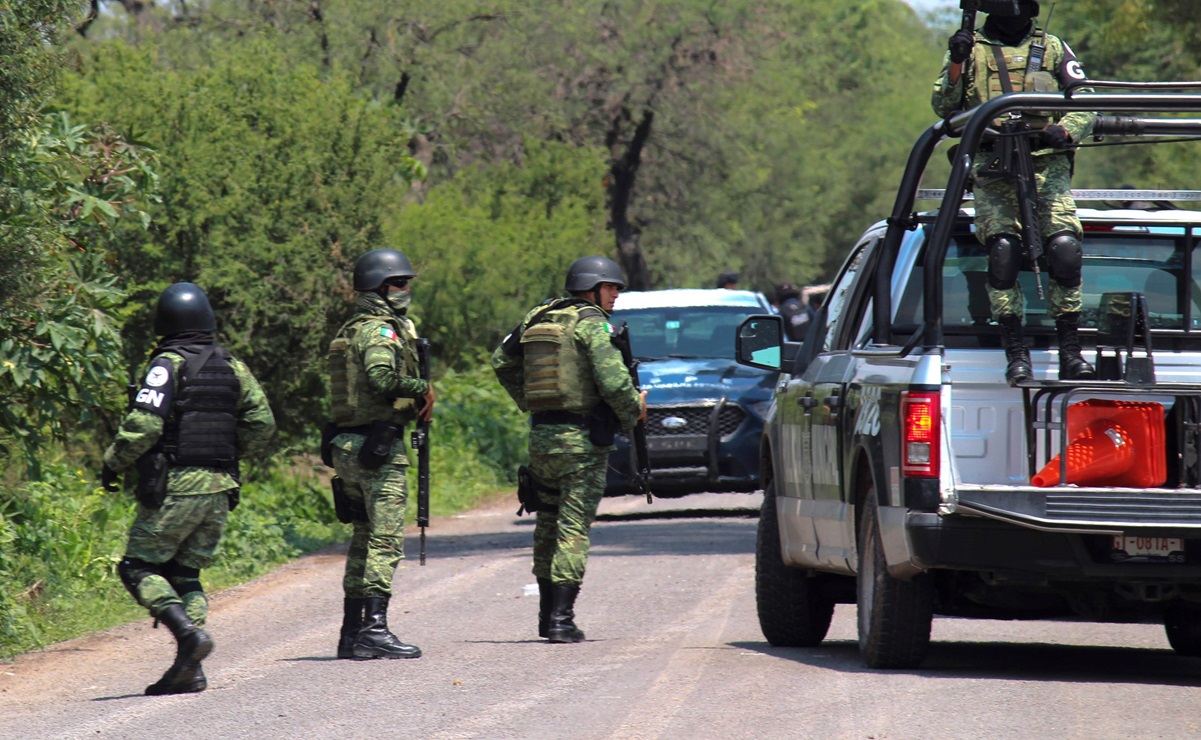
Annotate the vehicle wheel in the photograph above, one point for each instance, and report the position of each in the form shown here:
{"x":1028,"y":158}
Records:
{"x":1182,"y":623}
{"x":894,"y":615}
{"x":793,"y":612}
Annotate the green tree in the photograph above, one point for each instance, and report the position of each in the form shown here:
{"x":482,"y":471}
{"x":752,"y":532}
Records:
{"x":67,"y":192}
{"x":275,"y":177}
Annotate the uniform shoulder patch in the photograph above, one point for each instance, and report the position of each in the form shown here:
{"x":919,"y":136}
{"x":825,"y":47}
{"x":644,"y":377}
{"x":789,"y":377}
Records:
{"x":387,"y":333}
{"x":157,"y":389}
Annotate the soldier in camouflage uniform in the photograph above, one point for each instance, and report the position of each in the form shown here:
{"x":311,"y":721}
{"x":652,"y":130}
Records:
{"x":560,"y":365}
{"x":374,"y":391}
{"x":971,"y":75}
{"x":197,"y":413}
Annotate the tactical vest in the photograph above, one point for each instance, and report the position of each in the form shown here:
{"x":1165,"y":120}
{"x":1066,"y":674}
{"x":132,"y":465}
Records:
{"x":556,"y":375}
{"x":1013,"y":70}
{"x":202,"y":430}
{"x":352,"y":402}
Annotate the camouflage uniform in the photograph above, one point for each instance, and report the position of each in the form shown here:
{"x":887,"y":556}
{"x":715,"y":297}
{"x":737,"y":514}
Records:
{"x":996,"y":202}
{"x":381,"y":367}
{"x":184,"y":532}
{"x":562,"y":456}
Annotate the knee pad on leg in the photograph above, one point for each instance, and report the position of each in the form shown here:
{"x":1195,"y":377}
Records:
{"x":1004,"y":260}
{"x":1065,"y":255}
{"x":183,"y":579}
{"x":186,"y":582}
{"x":133,"y":571}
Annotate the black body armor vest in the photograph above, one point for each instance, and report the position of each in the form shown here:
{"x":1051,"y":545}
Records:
{"x":203,"y":428}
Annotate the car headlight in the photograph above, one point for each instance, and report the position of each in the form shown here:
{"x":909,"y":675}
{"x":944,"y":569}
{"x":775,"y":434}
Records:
{"x":761,"y":408}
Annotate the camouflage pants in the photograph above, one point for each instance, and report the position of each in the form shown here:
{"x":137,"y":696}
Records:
{"x":185,"y":530}
{"x":561,"y":540}
{"x":377,"y":545}
{"x":997,"y":212}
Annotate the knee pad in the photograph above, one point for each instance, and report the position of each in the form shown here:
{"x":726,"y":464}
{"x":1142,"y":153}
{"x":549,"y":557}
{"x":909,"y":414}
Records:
{"x":1065,"y":255}
{"x":1004,"y":260}
{"x":183,"y":579}
{"x":133,"y":571}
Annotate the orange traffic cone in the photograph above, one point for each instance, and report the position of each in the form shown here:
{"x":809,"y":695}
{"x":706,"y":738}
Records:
{"x":1104,"y":450}
{"x":1139,"y":425}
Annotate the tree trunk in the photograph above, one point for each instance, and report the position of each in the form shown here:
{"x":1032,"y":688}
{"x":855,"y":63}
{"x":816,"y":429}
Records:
{"x":624,"y":174}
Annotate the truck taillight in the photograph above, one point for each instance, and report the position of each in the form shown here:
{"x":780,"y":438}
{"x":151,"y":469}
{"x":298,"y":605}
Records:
{"x":921,"y":433}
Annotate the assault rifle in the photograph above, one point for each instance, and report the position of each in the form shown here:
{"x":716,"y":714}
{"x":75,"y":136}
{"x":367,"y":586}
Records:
{"x":421,"y":445}
{"x":640,"y":462}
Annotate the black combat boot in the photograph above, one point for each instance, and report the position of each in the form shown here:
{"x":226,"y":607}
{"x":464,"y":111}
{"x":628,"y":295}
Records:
{"x":561,"y":627}
{"x":545,"y":604}
{"x":1071,"y":365}
{"x":374,"y":640}
{"x":192,"y":645}
{"x":1018,"y":357}
{"x":352,"y":622}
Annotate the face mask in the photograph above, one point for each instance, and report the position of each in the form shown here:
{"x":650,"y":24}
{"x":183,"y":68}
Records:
{"x":399,"y":300}
{"x":1009,"y":29}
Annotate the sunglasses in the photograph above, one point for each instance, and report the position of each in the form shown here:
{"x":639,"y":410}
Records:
{"x":398,"y":282}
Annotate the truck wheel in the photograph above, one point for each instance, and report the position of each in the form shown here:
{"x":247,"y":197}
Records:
{"x":1182,"y":623}
{"x":894,"y":615}
{"x":793,"y":612}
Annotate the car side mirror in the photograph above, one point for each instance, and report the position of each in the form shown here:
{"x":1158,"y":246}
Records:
{"x":760,"y":342}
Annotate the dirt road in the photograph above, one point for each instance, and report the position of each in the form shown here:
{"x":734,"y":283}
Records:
{"x":673,"y":651}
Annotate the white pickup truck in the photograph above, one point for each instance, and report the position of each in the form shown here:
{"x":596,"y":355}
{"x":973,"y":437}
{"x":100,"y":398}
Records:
{"x":899,"y":467}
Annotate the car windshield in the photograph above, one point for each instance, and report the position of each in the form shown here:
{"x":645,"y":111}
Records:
{"x":696,"y":331}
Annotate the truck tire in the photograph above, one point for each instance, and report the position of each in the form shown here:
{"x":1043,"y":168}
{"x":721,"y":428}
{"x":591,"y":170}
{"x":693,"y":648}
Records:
{"x":894,"y":615}
{"x":793,"y":612}
{"x":1182,"y":623}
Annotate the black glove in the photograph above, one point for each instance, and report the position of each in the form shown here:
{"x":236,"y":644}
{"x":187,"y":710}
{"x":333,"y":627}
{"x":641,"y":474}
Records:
{"x":108,"y":480}
{"x":1055,"y":137}
{"x":960,"y":44}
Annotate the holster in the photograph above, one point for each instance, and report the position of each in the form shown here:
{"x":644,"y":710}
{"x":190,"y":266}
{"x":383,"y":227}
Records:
{"x":328,"y":432}
{"x":152,"y":469}
{"x":527,"y":494}
{"x":235,"y":498}
{"x":346,"y":509}
{"x":603,"y":425}
{"x":377,"y":448}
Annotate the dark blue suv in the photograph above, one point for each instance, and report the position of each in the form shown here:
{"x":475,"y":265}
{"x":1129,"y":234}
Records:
{"x":705,"y":412}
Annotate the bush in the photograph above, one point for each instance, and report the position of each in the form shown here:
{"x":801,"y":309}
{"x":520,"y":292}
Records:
{"x":62,"y":536}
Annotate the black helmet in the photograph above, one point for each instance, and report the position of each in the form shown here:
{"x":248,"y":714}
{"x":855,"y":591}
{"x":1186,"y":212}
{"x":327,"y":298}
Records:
{"x":784,"y":291}
{"x":1000,"y":8}
{"x":379,"y":265}
{"x":726,"y":278}
{"x":588,"y":272}
{"x":183,"y":307}
{"x":1010,"y":8}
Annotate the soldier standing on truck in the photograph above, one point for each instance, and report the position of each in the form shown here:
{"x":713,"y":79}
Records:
{"x":982,"y":65}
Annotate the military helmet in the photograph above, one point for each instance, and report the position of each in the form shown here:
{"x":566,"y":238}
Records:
{"x":183,"y":307}
{"x":588,"y":272}
{"x":1010,"y":8}
{"x":379,"y":265}
{"x":725,"y":279}
{"x":784,"y":291}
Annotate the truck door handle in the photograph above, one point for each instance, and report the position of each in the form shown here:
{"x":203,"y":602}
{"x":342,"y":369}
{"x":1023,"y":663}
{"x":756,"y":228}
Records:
{"x":833,"y":402}
{"x":806,"y":402}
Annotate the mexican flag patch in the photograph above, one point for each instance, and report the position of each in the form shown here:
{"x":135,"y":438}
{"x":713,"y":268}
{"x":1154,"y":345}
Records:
{"x":386,"y":331}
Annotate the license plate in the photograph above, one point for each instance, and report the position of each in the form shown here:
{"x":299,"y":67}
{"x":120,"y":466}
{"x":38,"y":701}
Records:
{"x":676,"y":444}
{"x":1169,"y":548}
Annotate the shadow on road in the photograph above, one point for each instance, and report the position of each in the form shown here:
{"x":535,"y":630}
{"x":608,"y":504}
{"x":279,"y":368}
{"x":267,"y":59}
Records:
{"x":693,"y":531}
{"x":1013,"y":661}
